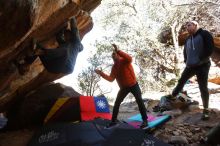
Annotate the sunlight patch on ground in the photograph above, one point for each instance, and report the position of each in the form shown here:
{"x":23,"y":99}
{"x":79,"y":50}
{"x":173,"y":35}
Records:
{"x":214,"y":99}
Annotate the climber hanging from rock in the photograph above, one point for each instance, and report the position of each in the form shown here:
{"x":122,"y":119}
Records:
{"x":63,"y":58}
{"x":59,"y":61}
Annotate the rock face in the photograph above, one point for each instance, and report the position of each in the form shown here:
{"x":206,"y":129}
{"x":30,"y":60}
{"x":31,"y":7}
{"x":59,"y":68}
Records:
{"x":33,"y":108}
{"x":22,"y":21}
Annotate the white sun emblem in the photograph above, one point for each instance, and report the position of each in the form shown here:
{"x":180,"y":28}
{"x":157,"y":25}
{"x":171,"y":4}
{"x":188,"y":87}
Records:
{"x":101,"y":104}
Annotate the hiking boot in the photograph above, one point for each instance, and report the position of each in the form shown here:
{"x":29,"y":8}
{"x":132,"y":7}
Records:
{"x":144,"y":124}
{"x":171,"y":97}
{"x":205,"y":115}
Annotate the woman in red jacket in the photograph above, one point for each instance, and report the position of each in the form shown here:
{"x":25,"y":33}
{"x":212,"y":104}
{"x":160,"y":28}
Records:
{"x":123,"y":72}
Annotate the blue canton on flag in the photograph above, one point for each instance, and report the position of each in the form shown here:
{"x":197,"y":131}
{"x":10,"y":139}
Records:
{"x":101,"y":105}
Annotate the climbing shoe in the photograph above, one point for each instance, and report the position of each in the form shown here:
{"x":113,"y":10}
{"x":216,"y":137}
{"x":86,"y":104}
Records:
{"x":205,"y":115}
{"x":144,"y":124}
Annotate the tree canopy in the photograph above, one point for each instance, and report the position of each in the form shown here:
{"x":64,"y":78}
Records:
{"x":148,"y":30}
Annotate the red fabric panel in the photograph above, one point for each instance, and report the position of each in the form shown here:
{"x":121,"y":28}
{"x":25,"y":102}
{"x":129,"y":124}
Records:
{"x":88,"y":109}
{"x":86,"y":116}
{"x":87,"y":104}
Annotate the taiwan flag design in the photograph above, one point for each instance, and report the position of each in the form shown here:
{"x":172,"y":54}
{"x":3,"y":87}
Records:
{"x":101,"y":105}
{"x":94,"y":107}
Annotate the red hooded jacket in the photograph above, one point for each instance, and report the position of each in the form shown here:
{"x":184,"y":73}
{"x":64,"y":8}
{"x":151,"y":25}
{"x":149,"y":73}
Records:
{"x":122,"y":71}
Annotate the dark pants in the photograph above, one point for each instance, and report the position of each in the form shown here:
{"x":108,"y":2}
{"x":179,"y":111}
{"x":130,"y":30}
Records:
{"x":201,"y":73}
{"x":122,"y":93}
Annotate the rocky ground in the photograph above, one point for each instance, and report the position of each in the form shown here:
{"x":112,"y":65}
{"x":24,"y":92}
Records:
{"x":185,"y":126}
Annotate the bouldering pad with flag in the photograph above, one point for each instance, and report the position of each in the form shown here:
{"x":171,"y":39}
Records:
{"x":153,"y":120}
{"x":94,"y":107}
{"x":81,"y":108}
{"x":92,"y":133}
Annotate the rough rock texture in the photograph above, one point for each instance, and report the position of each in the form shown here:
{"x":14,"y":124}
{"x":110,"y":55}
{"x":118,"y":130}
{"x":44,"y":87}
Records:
{"x":187,"y":126}
{"x":20,"y":22}
{"x":34,"y":107}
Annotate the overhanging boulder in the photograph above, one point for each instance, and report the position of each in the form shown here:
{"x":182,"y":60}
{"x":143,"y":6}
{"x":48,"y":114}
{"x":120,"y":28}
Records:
{"x":32,"y":109}
{"x":22,"y":21}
